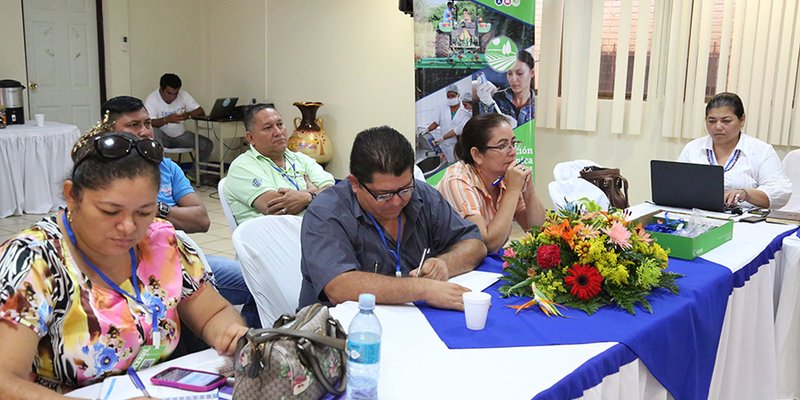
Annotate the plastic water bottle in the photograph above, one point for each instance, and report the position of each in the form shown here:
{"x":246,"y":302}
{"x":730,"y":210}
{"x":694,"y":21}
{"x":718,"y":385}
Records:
{"x":363,"y":351}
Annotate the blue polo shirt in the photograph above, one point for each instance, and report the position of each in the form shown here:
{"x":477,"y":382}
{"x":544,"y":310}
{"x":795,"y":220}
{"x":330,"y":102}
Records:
{"x":174,"y":183}
{"x":338,"y":236}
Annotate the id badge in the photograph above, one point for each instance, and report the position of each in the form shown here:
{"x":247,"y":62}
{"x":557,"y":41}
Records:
{"x":147,"y":357}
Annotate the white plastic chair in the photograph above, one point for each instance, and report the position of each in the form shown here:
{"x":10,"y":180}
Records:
{"x":791,"y":167}
{"x":269,"y":251}
{"x":418,"y":175}
{"x":569,"y":186}
{"x":180,"y":151}
{"x":226,"y":207}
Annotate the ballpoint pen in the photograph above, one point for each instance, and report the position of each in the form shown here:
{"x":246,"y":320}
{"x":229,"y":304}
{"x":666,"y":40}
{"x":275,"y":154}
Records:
{"x":422,"y":261}
{"x":497,"y":181}
{"x":137,"y":382}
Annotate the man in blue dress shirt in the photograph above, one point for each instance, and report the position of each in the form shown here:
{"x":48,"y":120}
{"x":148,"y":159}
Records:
{"x":368,"y":233}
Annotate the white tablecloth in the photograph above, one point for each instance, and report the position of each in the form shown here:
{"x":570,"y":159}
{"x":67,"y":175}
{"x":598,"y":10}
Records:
{"x":787,"y":319}
{"x":758,"y":354}
{"x":33,"y":164}
{"x":746,"y":365}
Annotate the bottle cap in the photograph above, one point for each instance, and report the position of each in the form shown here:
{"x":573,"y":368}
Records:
{"x":366,"y":301}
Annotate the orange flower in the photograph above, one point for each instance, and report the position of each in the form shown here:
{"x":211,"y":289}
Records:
{"x":643,"y":234}
{"x":564,"y":230}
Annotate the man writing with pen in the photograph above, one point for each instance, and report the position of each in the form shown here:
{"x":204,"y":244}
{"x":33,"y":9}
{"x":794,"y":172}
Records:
{"x":368,"y":233}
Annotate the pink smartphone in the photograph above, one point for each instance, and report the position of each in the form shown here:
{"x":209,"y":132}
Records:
{"x":188,"y":379}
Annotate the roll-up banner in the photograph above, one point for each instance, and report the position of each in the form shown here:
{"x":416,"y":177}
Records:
{"x":472,"y":57}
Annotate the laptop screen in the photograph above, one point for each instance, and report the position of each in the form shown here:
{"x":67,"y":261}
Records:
{"x":686,"y":185}
{"x":223,"y":108}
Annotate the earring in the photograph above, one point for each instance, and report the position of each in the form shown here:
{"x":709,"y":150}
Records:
{"x":69,"y":216}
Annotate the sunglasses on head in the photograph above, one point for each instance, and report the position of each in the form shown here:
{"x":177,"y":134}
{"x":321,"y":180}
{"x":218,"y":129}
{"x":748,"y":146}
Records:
{"x":114,"y":146}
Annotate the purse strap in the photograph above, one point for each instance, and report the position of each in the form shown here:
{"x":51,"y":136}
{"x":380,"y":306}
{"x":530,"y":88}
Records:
{"x":264,"y":335}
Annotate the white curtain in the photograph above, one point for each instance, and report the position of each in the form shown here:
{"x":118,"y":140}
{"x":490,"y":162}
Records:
{"x":758,"y":44}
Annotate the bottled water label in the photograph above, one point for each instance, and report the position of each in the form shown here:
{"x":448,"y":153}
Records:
{"x":364,"y":352}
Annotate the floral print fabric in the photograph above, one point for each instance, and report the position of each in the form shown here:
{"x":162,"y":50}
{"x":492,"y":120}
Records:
{"x":88,"y":331}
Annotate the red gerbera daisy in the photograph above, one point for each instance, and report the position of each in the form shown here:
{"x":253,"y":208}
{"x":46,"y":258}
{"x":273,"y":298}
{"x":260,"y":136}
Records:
{"x":584,"y":281}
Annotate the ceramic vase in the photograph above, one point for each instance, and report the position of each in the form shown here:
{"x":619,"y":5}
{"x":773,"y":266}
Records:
{"x":309,"y":135}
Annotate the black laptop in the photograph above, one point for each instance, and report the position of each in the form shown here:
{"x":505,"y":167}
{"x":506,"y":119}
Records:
{"x":223,"y":110}
{"x":686,"y":185}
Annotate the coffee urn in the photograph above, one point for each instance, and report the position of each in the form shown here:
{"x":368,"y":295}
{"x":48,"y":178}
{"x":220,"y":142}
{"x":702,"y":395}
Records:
{"x":11,"y":99}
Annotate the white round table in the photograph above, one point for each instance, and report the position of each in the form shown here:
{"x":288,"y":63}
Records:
{"x":34,"y":161}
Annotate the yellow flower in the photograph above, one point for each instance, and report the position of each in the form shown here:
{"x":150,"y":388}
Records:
{"x":617,"y":274}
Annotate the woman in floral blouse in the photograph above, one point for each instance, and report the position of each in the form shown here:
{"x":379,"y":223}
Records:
{"x":88,"y":289}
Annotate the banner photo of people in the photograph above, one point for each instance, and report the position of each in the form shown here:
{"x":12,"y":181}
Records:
{"x":471,"y":58}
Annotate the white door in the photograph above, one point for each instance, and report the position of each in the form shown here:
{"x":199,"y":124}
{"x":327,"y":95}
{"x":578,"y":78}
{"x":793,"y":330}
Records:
{"x":63,"y":67}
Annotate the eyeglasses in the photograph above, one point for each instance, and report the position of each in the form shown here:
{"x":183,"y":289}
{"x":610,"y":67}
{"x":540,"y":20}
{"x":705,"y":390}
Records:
{"x":505,"y":146}
{"x":401,"y":193}
{"x":114,"y":146}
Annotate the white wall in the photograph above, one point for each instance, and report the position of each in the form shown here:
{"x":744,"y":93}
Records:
{"x":118,"y":61}
{"x":12,"y":43}
{"x":236,"y":34}
{"x":356,"y":56}
{"x":167,"y":36}
{"x":217,"y":48}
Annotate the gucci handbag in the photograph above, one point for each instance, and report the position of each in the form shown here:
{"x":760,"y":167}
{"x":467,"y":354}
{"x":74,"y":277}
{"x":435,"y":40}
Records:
{"x":301,"y":357}
{"x":609,"y":180}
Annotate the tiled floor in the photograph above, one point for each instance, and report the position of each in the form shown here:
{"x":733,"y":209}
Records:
{"x":217,"y":241}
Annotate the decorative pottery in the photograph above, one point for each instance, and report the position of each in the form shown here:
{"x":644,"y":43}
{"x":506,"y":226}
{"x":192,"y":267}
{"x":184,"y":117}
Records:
{"x":309,"y":135}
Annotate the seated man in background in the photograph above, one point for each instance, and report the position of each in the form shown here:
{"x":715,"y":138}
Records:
{"x":179,"y":204}
{"x":269,"y":179}
{"x":177,"y":201}
{"x":368,"y":233}
{"x":169,"y":106}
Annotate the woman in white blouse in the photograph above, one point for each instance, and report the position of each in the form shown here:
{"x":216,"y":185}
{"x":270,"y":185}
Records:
{"x":753,"y":173}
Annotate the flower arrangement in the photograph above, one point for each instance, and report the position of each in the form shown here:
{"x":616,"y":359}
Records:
{"x":585,"y":258}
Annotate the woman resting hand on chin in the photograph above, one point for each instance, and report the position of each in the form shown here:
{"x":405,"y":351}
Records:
{"x":487,"y":186}
{"x":753,"y":172}
{"x":82,"y":290}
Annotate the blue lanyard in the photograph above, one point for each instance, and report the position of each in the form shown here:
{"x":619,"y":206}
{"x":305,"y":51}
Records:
{"x":396,"y":253}
{"x":731,"y":161}
{"x":134,"y":279}
{"x":286,"y":176}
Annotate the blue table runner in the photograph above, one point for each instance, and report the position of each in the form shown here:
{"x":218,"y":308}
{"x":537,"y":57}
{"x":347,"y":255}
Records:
{"x":678,"y":342}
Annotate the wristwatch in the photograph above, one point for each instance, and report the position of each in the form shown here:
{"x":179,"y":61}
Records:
{"x":163,"y":209}
{"x":313,"y":195}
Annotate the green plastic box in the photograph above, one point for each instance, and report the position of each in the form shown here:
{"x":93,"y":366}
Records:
{"x":689,"y":248}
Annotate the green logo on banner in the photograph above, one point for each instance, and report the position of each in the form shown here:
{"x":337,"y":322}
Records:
{"x":501,"y":53}
{"x":522,"y":10}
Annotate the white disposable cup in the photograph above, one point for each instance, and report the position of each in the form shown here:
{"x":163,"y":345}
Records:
{"x":476,"y":308}
{"x":39,"y":119}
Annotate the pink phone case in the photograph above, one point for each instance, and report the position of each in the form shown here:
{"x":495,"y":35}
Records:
{"x":188,"y":379}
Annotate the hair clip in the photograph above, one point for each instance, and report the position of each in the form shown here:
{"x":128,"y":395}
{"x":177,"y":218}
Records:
{"x":99,"y":128}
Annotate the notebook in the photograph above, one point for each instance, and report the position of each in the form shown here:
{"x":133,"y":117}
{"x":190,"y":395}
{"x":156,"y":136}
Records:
{"x":224,"y":109}
{"x":686,"y":185}
{"x":121,"y":387}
